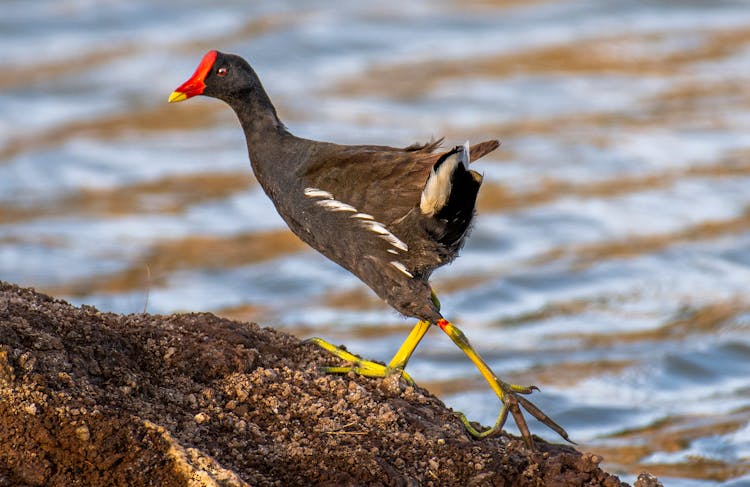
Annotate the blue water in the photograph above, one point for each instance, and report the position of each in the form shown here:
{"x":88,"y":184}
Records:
{"x":610,"y":261}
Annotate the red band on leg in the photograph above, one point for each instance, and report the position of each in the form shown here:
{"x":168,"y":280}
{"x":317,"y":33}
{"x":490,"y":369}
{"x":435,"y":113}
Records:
{"x":442,"y":323}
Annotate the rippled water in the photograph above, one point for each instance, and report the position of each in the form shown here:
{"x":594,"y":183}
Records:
{"x":610,"y":263}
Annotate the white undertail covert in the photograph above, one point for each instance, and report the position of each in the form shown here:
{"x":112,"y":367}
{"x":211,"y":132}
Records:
{"x":437,"y":190}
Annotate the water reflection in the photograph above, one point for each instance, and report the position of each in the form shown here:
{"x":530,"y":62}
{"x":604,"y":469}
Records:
{"x":609,"y":263}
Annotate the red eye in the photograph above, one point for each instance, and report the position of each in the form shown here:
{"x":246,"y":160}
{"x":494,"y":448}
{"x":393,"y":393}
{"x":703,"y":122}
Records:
{"x":221,"y":71}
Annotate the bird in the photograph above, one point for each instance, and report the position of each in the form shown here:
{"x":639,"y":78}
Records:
{"x":388,"y":215}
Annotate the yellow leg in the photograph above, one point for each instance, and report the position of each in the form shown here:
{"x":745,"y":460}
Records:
{"x":508,"y":393}
{"x":402,"y":356}
{"x":369,"y":368}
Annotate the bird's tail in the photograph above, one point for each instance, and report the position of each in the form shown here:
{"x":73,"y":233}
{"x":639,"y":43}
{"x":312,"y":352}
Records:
{"x":450,"y":194}
{"x":483,"y":148}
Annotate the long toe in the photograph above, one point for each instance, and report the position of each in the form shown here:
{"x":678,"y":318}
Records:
{"x":358,"y":365}
{"x":532,"y":409}
{"x":515,"y":403}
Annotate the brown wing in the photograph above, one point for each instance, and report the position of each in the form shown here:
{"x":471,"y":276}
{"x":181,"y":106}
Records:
{"x":385,"y":182}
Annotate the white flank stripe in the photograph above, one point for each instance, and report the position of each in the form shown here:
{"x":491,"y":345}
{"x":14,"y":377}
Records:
{"x":329,"y":203}
{"x":393,"y":251}
{"x":318,"y":193}
{"x":335,"y":205}
{"x":383,"y":233}
{"x":401,"y":267}
{"x":393,"y":240}
{"x":377,"y":227}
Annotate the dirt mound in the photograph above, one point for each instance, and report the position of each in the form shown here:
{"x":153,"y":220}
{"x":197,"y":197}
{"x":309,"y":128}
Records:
{"x":92,"y":398}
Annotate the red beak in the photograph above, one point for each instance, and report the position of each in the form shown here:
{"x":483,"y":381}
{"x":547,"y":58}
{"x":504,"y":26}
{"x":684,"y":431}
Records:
{"x":196,"y":84}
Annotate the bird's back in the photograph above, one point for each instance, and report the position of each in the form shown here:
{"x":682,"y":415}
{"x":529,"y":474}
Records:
{"x":386,"y":185}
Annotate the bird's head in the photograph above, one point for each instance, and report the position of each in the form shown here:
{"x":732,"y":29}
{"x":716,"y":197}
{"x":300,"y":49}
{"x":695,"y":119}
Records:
{"x":218,"y":75}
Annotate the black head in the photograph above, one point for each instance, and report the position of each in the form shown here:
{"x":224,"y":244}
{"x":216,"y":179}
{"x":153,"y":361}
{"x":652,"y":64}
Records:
{"x":218,"y":75}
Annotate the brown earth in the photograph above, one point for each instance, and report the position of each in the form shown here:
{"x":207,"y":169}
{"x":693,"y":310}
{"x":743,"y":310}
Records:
{"x":92,"y":398}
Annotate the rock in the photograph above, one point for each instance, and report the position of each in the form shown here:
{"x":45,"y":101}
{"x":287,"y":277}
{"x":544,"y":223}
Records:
{"x":92,"y":398}
{"x":647,"y":480}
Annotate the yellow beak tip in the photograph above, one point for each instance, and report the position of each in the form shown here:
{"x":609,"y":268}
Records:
{"x":177,"y":96}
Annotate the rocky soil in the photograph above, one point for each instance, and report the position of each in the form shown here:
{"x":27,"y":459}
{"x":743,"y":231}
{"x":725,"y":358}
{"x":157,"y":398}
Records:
{"x":92,"y":398}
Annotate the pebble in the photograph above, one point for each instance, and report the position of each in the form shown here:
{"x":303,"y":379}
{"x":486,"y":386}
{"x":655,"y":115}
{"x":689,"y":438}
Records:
{"x":169,"y":352}
{"x":83,"y":433}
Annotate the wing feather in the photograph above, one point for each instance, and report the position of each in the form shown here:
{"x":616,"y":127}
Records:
{"x":385,"y":182}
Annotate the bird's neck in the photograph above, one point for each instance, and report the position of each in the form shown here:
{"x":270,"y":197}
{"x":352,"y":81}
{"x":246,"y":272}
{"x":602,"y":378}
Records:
{"x":257,"y":114}
{"x":265,"y":135}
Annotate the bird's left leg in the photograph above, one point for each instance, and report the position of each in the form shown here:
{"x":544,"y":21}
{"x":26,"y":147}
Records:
{"x":508,"y":393}
{"x":373,"y":369}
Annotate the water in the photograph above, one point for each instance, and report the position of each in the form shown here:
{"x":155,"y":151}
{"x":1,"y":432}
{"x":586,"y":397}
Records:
{"x":611,"y":260}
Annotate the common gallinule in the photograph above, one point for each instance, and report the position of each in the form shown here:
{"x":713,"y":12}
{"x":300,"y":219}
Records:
{"x":390,"y":216}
